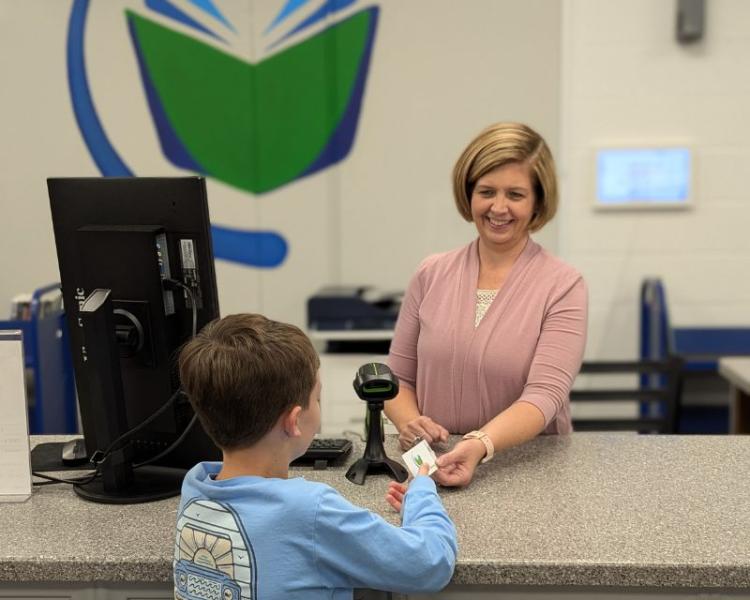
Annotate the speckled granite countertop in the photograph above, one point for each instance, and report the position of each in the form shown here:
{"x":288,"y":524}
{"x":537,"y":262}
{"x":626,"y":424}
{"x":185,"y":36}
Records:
{"x":583,"y":510}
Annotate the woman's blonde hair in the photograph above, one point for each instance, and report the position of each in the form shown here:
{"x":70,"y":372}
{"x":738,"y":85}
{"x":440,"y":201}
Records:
{"x":500,"y":144}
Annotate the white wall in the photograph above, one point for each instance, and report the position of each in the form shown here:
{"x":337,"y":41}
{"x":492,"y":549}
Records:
{"x":444,"y":71}
{"x":440,"y":71}
{"x":625,"y":78}
{"x":38,"y":139}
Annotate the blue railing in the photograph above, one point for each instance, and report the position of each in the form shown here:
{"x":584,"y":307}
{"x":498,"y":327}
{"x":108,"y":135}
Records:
{"x":699,"y":347}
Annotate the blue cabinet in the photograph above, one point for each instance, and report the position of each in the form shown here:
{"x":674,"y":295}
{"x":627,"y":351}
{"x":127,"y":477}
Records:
{"x":49,"y":368}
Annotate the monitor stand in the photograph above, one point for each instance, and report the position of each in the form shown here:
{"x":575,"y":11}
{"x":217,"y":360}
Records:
{"x":148,"y":484}
{"x":119,"y":483}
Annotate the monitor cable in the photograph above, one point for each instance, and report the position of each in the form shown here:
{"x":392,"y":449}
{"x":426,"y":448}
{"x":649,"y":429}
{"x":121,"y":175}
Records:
{"x":173,"y":284}
{"x":49,"y":480}
{"x":171,"y":447}
{"x":96,"y":458}
{"x":99,"y":456}
{"x":105,"y":454}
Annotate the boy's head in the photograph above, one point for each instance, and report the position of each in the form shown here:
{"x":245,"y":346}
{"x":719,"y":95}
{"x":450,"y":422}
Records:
{"x":243,"y":372}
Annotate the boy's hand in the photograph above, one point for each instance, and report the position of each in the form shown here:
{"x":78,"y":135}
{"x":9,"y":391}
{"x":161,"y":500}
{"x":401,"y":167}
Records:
{"x":396,"y":491}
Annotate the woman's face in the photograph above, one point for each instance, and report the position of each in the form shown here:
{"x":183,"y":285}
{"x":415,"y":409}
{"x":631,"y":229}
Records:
{"x":502,"y":205}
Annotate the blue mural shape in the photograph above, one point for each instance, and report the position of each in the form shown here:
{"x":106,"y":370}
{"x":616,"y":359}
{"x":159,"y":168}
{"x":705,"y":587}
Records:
{"x":209,"y":7}
{"x":167,"y":9}
{"x":327,"y":8}
{"x":262,"y":249}
{"x":287,"y":10}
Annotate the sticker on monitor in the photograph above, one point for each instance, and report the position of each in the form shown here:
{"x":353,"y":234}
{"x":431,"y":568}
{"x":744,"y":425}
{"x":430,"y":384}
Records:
{"x":643,"y":177}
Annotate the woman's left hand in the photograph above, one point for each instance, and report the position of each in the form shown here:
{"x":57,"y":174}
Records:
{"x":456,"y":468}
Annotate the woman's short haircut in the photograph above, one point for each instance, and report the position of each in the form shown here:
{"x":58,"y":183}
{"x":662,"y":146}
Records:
{"x":500,"y":144}
{"x":242,"y":372}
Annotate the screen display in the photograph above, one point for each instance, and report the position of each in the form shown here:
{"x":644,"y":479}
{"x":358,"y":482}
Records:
{"x":643,"y":176}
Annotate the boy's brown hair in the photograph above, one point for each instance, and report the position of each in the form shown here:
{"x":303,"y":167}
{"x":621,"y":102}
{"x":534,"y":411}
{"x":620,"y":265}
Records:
{"x":242,"y":372}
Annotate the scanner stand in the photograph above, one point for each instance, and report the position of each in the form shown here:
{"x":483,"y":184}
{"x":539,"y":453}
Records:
{"x":375,"y":459}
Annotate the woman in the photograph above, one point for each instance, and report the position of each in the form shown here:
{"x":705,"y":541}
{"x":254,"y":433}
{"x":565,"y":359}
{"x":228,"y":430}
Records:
{"x":490,"y":336}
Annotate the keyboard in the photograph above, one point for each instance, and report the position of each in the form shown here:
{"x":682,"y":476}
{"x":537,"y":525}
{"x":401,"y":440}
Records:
{"x":328,"y":449}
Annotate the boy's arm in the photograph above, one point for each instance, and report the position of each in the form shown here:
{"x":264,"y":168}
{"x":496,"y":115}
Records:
{"x":356,"y":548}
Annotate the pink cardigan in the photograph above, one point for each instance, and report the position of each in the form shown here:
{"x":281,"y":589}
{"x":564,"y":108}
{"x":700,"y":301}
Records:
{"x":528,"y":347}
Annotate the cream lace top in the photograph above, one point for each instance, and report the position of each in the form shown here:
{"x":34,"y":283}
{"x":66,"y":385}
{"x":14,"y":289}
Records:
{"x":484,"y":299}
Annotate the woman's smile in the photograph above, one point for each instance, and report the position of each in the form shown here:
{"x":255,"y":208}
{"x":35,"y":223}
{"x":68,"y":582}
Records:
{"x":499,"y":225}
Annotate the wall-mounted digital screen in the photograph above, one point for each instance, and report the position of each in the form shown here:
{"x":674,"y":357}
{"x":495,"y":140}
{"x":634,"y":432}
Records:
{"x":642,"y":177}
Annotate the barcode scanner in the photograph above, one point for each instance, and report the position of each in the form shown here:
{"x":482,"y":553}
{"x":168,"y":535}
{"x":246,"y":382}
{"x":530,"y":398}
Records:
{"x":375,"y":383}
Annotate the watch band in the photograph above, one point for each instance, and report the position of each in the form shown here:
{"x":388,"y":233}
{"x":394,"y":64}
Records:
{"x":485,"y":439}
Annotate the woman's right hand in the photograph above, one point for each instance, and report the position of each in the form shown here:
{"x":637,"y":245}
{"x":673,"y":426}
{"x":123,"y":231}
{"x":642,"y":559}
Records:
{"x":421,"y":428}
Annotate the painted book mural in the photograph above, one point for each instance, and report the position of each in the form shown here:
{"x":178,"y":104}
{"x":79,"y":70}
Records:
{"x":255,"y":126}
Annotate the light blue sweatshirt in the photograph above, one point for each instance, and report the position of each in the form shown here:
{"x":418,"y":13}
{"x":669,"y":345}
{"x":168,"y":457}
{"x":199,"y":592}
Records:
{"x":257,"y":537}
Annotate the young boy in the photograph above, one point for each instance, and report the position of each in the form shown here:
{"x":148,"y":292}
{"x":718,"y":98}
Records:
{"x":244,"y":529}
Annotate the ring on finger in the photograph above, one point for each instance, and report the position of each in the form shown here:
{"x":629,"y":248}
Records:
{"x":416,"y":440}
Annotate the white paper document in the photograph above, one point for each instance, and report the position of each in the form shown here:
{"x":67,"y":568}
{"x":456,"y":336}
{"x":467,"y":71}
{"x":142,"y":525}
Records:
{"x":419,"y":455}
{"x":15,"y":459}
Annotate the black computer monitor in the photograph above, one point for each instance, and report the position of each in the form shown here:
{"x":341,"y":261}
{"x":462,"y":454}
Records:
{"x":147,"y":242}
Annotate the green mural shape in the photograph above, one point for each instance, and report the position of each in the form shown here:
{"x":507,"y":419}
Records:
{"x":254,"y":126}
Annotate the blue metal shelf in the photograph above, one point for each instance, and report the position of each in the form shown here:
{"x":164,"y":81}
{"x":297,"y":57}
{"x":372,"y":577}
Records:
{"x":52,"y":401}
{"x":700,"y":347}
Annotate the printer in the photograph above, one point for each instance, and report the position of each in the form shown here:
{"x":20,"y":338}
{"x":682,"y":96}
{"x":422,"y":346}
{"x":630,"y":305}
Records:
{"x":352,"y":308}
